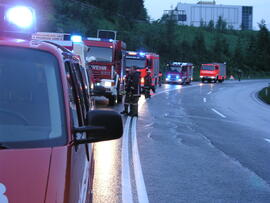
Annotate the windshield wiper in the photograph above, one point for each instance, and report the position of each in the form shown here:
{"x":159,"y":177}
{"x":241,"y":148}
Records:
{"x":2,"y":146}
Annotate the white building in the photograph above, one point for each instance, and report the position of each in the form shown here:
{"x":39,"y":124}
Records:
{"x":237,"y":17}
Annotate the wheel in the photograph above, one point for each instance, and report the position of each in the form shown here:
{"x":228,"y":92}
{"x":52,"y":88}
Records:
{"x":112,"y":101}
{"x":202,"y":80}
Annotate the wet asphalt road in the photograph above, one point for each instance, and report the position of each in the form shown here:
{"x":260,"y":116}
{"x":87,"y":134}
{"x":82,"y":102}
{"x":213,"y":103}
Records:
{"x":198,"y":143}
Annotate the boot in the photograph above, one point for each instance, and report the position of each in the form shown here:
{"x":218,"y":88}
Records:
{"x":125,"y":109}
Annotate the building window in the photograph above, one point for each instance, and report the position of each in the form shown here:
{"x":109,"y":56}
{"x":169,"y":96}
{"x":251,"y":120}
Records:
{"x":182,"y":17}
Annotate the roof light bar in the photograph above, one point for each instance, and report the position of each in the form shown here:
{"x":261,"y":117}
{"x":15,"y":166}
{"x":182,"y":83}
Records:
{"x":76,"y":38}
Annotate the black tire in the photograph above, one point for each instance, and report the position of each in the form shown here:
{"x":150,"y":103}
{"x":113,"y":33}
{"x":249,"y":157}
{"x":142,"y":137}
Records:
{"x":112,"y":100}
{"x":203,"y":80}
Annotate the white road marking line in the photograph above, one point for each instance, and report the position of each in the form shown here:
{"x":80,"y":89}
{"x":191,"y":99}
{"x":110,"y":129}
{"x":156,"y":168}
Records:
{"x":267,"y":140}
{"x":209,"y":92}
{"x":140,"y":185}
{"x":204,"y":99}
{"x":126,"y":180}
{"x":218,"y":113}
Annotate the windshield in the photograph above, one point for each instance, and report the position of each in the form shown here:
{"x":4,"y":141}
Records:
{"x":175,"y":69}
{"x":100,"y":54}
{"x":207,"y":67}
{"x":139,"y":63}
{"x":31,"y":110}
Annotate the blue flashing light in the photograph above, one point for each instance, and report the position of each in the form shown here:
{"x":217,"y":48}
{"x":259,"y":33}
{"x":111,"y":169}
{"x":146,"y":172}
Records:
{"x":21,"y":16}
{"x":169,"y":76}
{"x":110,"y":40}
{"x":76,"y":38}
{"x":142,"y":54}
{"x":177,"y":77}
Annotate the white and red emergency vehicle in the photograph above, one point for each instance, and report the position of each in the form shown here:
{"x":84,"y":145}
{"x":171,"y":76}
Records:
{"x":47,"y":126}
{"x":180,"y":73}
{"x":106,"y":58}
{"x":75,"y":44}
{"x":213,"y":72}
{"x":144,"y":61}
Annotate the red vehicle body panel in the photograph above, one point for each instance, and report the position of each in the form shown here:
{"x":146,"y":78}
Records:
{"x":219,"y":71}
{"x":54,"y":174}
{"x":21,"y":169}
{"x":183,"y":73}
{"x":152,"y":63}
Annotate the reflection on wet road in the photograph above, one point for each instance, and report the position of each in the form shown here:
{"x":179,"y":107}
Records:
{"x":197,"y":143}
{"x":107,"y":181}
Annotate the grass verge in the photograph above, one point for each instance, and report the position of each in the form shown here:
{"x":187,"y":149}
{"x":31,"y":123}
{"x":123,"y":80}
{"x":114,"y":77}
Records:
{"x":264,"y":95}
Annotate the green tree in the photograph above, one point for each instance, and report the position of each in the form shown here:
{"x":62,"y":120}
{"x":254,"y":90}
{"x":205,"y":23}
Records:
{"x":200,"y":52}
{"x":263,"y":47}
{"x":221,"y":25}
{"x":211,"y":26}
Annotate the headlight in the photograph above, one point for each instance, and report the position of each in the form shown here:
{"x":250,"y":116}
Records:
{"x":108,"y":84}
{"x":201,"y":76}
{"x":179,"y":80}
{"x":98,"y":84}
{"x":20,"y":16}
{"x":213,"y":77}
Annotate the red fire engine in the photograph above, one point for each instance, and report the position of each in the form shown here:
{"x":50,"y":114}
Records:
{"x":106,"y":58}
{"x":179,"y":72}
{"x":144,"y":61}
{"x":213,"y":72}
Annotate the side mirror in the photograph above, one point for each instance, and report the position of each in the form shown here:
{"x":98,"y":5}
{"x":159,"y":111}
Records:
{"x":101,"y":126}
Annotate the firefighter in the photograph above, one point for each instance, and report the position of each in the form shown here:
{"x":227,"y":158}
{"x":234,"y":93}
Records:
{"x":132,"y":89}
{"x":147,"y":84}
{"x":239,"y":74}
{"x":160,"y":78}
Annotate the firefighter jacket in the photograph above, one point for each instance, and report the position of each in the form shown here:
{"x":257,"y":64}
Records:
{"x":133,"y":84}
{"x":148,"y":81}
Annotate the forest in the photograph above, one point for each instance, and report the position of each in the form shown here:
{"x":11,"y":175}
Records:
{"x":245,"y":50}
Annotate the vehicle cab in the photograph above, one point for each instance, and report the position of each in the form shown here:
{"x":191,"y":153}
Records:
{"x":106,"y":59}
{"x":213,"y":72}
{"x":180,"y":73}
{"x":47,"y":126}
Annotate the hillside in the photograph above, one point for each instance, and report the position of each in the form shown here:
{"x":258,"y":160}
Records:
{"x":247,"y":50}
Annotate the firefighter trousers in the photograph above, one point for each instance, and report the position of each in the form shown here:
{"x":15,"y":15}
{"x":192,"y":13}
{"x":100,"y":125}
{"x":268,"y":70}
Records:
{"x":131,"y":105}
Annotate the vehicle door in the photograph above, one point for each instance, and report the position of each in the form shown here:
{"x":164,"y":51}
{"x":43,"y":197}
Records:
{"x":80,"y":158}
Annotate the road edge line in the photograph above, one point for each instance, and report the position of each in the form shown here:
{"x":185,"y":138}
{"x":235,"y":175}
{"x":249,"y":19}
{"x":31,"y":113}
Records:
{"x":139,"y":179}
{"x":125,"y":173}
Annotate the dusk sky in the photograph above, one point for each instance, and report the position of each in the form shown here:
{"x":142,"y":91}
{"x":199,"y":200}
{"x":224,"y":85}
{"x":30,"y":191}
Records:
{"x":261,"y":8}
